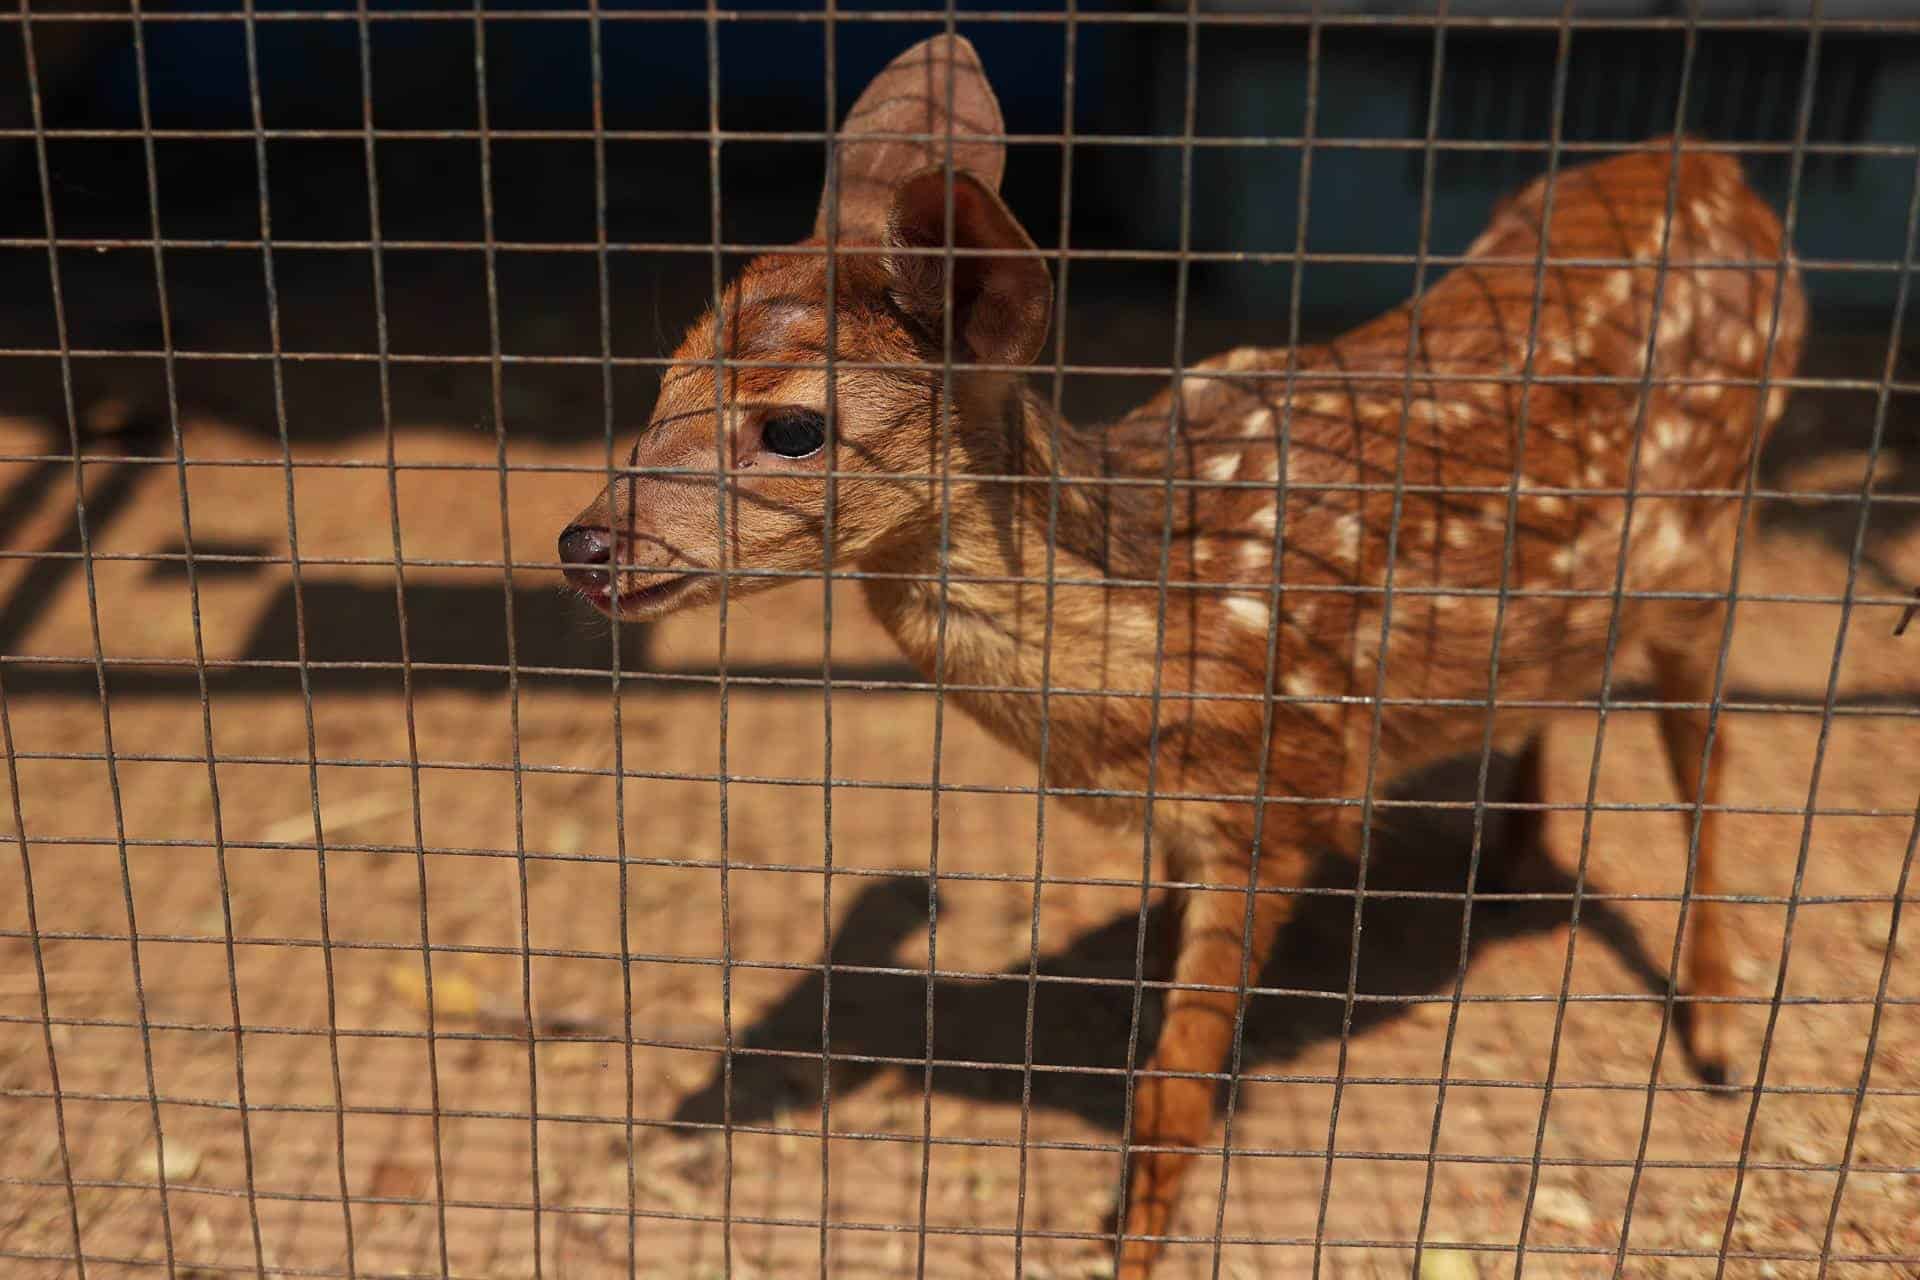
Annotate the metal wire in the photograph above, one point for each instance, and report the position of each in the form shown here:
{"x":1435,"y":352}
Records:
{"x":416,"y":809}
{"x":499,"y":405}
{"x":1839,"y":645}
{"x":1056,"y":397}
{"x":603,"y":284}
{"x":1424,"y":230}
{"x":1913,"y":841}
{"x":99,"y":665}
{"x":830,"y":503}
{"x":1554,"y":129}
{"x":722,"y":348}
{"x":1176,"y":403}
{"x":52,"y":668}
{"x":944,"y":430}
{"x":1357,"y":376}
{"x":1401,"y":21}
{"x":193,"y":583}
{"x":1282,"y":476}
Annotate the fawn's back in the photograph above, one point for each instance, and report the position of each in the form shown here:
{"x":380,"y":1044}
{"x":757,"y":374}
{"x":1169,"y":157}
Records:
{"x":1480,"y":421}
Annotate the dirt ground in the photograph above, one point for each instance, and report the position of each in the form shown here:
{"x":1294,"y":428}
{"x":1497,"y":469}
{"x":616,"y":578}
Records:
{"x":366,"y":1148}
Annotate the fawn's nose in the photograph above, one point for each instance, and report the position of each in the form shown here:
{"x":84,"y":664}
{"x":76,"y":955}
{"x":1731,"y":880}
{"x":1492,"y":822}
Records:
{"x":585,"y":551}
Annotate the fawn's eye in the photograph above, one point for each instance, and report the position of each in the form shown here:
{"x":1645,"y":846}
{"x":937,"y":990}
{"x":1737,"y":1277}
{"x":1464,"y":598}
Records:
{"x":797,"y":433}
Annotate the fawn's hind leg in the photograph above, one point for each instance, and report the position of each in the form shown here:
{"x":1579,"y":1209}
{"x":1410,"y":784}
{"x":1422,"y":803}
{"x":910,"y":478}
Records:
{"x":1526,"y":828}
{"x":1686,"y":675}
{"x":1210,"y":944}
{"x":1513,"y":859}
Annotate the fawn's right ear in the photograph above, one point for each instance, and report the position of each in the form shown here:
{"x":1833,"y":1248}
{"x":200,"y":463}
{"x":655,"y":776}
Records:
{"x":1001,"y":302}
{"x":937,"y":89}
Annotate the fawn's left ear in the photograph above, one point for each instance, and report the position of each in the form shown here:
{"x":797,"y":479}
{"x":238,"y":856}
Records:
{"x":1000,"y":303}
{"x":938,"y":89}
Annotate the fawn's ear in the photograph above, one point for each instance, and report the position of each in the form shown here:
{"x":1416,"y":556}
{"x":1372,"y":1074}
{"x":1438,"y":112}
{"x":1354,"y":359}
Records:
{"x":936,"y":84}
{"x":1000,"y":304}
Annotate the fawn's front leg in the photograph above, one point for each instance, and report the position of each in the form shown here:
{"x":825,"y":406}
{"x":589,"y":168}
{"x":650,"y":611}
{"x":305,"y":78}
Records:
{"x":1210,"y":941}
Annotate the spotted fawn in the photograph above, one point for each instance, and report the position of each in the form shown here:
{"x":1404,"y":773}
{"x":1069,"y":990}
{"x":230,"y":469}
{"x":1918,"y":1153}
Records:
{"x":1292,"y":575}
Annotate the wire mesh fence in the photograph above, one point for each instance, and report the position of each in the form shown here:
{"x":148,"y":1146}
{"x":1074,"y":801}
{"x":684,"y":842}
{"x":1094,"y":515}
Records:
{"x":384,"y":910}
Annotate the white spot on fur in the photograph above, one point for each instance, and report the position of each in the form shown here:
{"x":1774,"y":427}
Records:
{"x":1263,"y":519}
{"x":1567,"y":557}
{"x":1346,"y":531}
{"x":1458,"y":534}
{"x":1678,"y":321}
{"x":1259,"y":422}
{"x":1671,"y":433}
{"x":1248,"y":612}
{"x":1221,"y":466}
{"x":1670,"y":541}
{"x":1296,"y":685}
{"x":1546,"y":503}
{"x":1747,"y":348}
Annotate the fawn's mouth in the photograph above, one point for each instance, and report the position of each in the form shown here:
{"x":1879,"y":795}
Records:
{"x":640,"y":602}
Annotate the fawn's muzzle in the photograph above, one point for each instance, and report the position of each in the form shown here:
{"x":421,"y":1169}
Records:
{"x":587,"y":553}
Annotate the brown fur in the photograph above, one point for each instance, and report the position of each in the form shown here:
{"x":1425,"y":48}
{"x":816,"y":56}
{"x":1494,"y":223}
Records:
{"x":1352,"y":420}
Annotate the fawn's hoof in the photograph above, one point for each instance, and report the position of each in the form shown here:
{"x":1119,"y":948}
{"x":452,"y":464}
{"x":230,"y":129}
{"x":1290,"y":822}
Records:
{"x":1704,"y":1033}
{"x":1717,"y":1074}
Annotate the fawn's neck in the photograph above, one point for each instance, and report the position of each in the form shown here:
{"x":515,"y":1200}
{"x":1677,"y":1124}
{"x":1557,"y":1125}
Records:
{"x":966,"y":596}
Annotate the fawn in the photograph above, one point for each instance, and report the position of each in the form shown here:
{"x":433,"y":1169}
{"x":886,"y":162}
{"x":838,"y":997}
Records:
{"x":1377,"y":480}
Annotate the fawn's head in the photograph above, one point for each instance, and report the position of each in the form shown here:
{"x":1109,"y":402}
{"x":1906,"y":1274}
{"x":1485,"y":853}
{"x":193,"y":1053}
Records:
{"x":731,"y":472}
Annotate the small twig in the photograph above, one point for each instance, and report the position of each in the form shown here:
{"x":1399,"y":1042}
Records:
{"x":1906,"y":614}
{"x":338,"y":816}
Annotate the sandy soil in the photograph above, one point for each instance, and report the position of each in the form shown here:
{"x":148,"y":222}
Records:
{"x":365,"y":1146}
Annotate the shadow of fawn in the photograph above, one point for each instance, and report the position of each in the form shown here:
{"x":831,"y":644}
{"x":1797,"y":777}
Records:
{"x":1412,"y":949}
